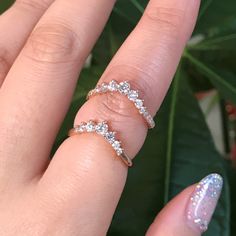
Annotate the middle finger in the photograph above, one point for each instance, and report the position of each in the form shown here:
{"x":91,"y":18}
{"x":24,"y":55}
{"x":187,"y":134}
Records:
{"x":39,"y":86}
{"x":93,"y":175}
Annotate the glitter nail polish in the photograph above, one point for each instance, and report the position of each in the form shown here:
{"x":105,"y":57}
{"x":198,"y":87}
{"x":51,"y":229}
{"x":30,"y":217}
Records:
{"x":203,"y":202}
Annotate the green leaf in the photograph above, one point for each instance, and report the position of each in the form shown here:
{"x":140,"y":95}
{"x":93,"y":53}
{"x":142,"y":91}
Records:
{"x":205,"y":5}
{"x":226,"y":42}
{"x":224,"y":81}
{"x":5,"y":5}
{"x":195,"y":156}
{"x":217,"y":25}
{"x":139,"y":7}
{"x":173,"y":104}
{"x":143,"y":196}
{"x":129,"y":11}
{"x":184,"y":138}
{"x":214,"y":14}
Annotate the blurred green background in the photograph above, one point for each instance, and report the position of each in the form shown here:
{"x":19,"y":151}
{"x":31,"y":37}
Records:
{"x":180,"y":150}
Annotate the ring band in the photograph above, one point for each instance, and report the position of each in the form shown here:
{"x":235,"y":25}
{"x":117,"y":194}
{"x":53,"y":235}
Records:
{"x":102,"y":129}
{"x":124,"y":88}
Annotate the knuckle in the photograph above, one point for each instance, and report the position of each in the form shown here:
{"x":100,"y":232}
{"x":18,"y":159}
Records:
{"x":32,"y":4}
{"x":167,"y":19}
{"x":54,"y":43}
{"x":140,"y":77}
{"x":116,"y":109}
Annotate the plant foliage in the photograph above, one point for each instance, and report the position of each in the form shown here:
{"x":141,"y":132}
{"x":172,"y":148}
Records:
{"x":180,"y":150}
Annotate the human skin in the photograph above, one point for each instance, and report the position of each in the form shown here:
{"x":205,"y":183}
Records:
{"x":43,"y":49}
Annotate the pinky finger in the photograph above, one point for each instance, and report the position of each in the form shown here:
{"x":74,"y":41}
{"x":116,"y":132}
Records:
{"x":190,"y":212}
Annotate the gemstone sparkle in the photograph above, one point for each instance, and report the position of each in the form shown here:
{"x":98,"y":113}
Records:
{"x":124,"y":88}
{"x":101,"y":128}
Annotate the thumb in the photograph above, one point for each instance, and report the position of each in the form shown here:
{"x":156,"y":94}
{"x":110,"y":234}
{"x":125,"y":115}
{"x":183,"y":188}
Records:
{"x":189,"y":213}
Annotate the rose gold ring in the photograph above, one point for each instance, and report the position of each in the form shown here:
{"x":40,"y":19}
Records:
{"x":124,"y":88}
{"x":102,"y":129}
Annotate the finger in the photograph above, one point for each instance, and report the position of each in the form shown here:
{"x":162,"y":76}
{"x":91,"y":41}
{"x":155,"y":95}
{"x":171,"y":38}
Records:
{"x":17,"y":23}
{"x":92,"y":173}
{"x":38,"y":89}
{"x":190,"y":212}
{"x":148,"y":60}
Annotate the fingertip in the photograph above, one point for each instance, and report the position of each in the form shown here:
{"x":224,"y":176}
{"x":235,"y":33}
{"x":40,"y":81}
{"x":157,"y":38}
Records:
{"x":203,"y":202}
{"x":172,"y":219}
{"x":190,"y":212}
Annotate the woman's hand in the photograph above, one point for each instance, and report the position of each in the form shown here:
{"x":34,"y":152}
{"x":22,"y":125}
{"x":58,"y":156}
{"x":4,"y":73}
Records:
{"x":43,"y":47}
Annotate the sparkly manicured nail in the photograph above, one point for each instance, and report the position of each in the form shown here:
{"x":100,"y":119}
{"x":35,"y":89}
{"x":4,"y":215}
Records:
{"x":203,"y":202}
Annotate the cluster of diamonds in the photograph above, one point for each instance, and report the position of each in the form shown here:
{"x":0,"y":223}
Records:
{"x":124,"y":88}
{"x":101,"y":128}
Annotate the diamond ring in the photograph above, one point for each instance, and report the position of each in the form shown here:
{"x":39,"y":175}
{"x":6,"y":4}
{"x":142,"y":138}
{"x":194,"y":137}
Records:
{"x":102,"y":129}
{"x":124,"y":88}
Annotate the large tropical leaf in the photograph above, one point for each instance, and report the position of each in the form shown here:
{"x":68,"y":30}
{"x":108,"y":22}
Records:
{"x":4,"y":5}
{"x":214,"y":14}
{"x":194,"y":154}
{"x":224,"y":81}
{"x":183,"y":139}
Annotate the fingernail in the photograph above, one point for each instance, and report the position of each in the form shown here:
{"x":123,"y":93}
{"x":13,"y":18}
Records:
{"x":203,"y":202}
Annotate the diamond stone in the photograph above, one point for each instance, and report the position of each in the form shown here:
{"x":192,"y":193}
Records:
{"x":90,"y":126}
{"x":142,"y":110}
{"x":98,"y":89}
{"x":146,"y":114}
{"x":101,"y":128}
{"x":104,"y":87}
{"x":81,"y":128}
{"x":77,"y":129}
{"x":133,"y":95}
{"x":110,"y":137}
{"x":116,"y":145}
{"x":150,"y":121}
{"x":149,"y":118}
{"x":138,"y":103}
{"x":113,"y":86}
{"x":119,"y":151}
{"x":152,"y":124}
{"x":124,"y":87}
